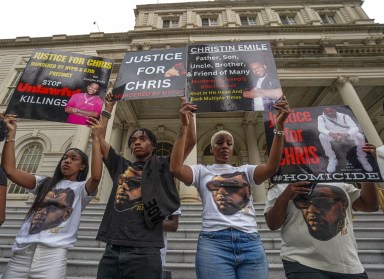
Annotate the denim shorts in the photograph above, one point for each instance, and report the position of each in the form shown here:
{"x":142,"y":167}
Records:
{"x":229,"y":254}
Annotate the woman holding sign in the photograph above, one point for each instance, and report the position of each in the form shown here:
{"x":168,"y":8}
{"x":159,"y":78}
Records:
{"x":229,"y":245}
{"x":51,"y":225}
{"x":317,"y":227}
{"x":81,"y":106}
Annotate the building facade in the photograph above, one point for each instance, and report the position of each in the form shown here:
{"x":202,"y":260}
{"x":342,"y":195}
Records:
{"x":327,"y":52}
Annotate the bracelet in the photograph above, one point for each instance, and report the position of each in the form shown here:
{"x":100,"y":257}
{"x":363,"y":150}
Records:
{"x":9,"y":140}
{"x":106,"y":114}
{"x":279,"y":133}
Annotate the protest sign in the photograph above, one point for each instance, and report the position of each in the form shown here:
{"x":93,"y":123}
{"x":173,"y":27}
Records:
{"x":151,"y":74}
{"x":232,"y":76}
{"x":322,"y":144}
{"x":61,"y":86}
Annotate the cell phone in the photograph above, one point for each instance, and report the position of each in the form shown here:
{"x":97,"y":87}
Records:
{"x":312,"y":187}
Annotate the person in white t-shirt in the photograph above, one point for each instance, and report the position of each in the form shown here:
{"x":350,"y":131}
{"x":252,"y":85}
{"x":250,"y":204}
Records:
{"x":317,"y":227}
{"x":51,"y":225}
{"x":170,"y":224}
{"x":229,"y":246}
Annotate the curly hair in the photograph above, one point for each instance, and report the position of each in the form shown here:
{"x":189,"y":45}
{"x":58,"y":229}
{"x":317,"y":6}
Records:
{"x":151,"y":136}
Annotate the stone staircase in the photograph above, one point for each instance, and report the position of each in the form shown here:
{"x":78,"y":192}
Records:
{"x":83,"y":259}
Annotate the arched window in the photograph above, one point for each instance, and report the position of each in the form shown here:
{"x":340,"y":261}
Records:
{"x":29,"y":162}
{"x":163,"y":149}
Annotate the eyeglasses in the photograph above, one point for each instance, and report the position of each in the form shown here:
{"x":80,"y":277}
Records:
{"x":318,"y":202}
{"x":230,"y":185}
{"x":132,"y":182}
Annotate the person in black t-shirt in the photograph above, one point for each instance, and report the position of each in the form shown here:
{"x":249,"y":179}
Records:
{"x":131,"y":225}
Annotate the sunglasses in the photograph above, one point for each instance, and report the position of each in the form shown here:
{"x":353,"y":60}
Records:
{"x":132,"y":182}
{"x":318,"y":202}
{"x":231,"y":185}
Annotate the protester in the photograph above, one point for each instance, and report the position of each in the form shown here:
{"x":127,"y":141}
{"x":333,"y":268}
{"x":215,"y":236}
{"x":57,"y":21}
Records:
{"x":83,"y":105}
{"x":132,"y":224}
{"x":317,"y":227}
{"x":52,"y":222}
{"x":170,"y":224}
{"x":3,"y":176}
{"x":229,"y":245}
{"x":339,"y":128}
{"x":3,"y":195}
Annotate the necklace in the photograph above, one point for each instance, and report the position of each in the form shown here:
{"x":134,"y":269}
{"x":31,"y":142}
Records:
{"x":87,"y":100}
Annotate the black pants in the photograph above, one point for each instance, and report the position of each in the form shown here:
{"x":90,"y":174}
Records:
{"x":121,"y":262}
{"x":294,"y":270}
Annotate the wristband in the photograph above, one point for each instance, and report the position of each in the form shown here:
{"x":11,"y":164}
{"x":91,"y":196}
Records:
{"x":106,"y":114}
{"x":279,"y":133}
{"x":9,"y":140}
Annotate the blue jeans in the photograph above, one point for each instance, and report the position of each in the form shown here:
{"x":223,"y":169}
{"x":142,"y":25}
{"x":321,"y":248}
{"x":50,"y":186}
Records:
{"x":295,"y":270}
{"x":121,"y":262}
{"x":230,"y":254}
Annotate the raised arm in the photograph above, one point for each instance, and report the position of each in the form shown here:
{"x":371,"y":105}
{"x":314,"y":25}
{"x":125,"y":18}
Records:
{"x":265,"y":171}
{"x":8,"y":160}
{"x":180,"y":171}
{"x":276,"y":215}
{"x":96,"y":162}
{"x":191,"y":131}
{"x":104,"y":118}
{"x":369,"y":198}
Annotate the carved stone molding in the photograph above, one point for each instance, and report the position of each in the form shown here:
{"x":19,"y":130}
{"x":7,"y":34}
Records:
{"x":279,"y":42}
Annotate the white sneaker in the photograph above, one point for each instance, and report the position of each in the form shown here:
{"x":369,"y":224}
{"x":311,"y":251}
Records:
{"x":366,"y":165}
{"x":332,"y":165}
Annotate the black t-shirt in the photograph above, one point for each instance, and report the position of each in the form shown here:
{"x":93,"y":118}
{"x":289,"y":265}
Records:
{"x":3,"y":177}
{"x":123,"y":221}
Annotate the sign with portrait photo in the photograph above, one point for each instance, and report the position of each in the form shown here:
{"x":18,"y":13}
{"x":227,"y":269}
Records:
{"x":61,"y":86}
{"x":322,"y":144}
{"x":237,"y":76}
{"x":151,"y":74}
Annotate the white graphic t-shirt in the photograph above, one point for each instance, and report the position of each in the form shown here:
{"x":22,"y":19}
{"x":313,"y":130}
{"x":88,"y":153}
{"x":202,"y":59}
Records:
{"x":318,"y":231}
{"x":226,"y":196}
{"x":56,"y":223}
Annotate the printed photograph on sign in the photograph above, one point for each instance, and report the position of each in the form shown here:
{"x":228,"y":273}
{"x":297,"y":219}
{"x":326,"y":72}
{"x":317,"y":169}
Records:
{"x":151,"y":74}
{"x":232,"y":77}
{"x":61,"y":86}
{"x":322,"y":144}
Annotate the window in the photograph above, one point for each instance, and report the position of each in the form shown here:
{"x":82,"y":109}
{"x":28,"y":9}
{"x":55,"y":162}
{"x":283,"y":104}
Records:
{"x":287,"y":20}
{"x":170,"y":23}
{"x":206,"y":21}
{"x":245,"y":20}
{"x":163,"y":149}
{"x":11,"y":88}
{"x":29,"y":162}
{"x":327,"y":19}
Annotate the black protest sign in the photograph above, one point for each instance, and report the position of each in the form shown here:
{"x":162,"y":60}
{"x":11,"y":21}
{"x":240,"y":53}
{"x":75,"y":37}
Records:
{"x":151,"y":74}
{"x":53,"y":79}
{"x":232,"y":77}
{"x":322,"y":144}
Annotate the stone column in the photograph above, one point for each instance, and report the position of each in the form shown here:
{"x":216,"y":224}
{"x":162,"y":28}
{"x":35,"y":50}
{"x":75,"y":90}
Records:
{"x":80,"y":140}
{"x":254,"y":158}
{"x":349,"y":96}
